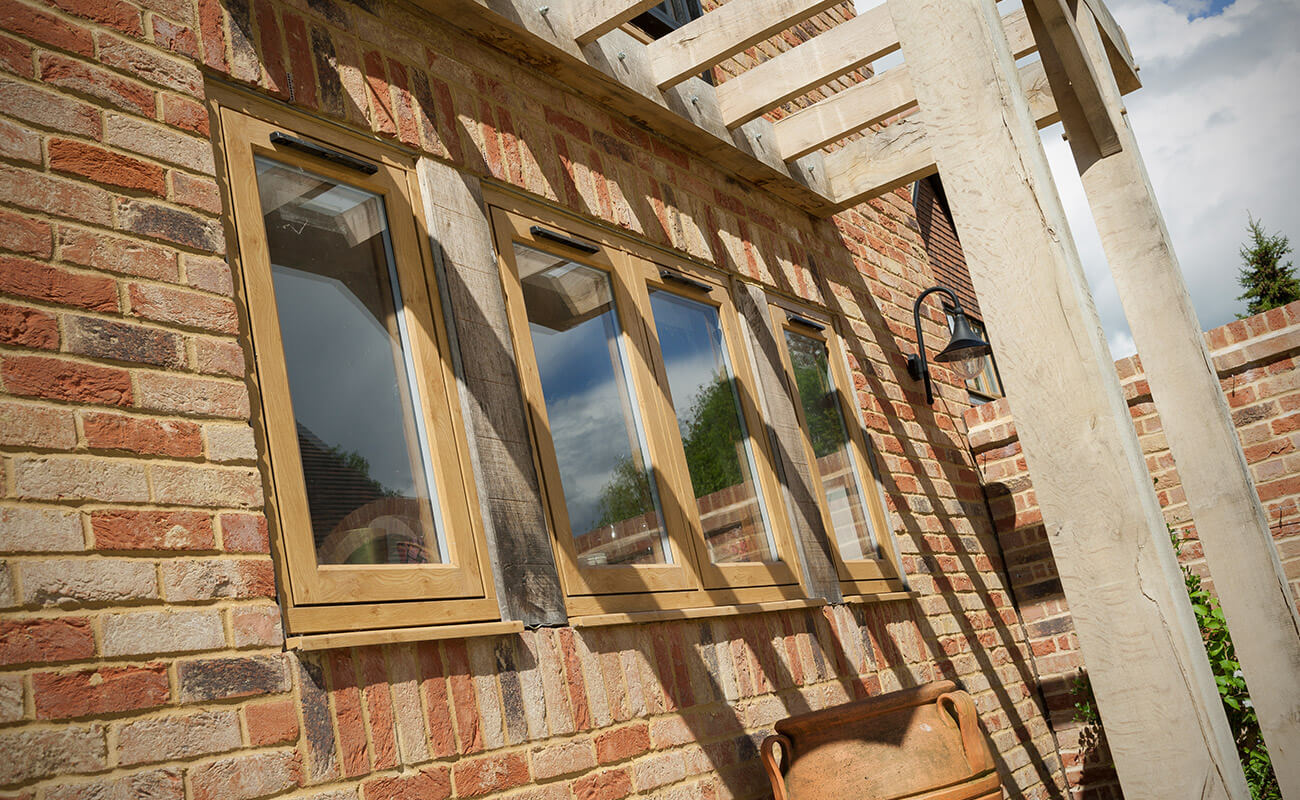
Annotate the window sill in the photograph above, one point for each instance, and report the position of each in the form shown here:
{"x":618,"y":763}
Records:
{"x":883,"y":597}
{"x":633,"y":617}
{"x":327,"y":641}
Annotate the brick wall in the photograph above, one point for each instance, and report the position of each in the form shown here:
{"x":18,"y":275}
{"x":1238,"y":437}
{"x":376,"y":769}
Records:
{"x":1256,"y":363}
{"x":141,"y":647}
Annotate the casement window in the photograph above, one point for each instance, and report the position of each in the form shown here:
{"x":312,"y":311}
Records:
{"x":843,"y":470}
{"x":371,"y":498}
{"x":658,"y":478}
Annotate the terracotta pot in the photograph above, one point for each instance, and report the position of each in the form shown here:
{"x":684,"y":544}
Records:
{"x":920,"y":744}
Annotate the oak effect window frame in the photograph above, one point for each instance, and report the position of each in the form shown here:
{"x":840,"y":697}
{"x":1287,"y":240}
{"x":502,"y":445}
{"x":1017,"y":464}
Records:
{"x":454,"y":585}
{"x":859,"y":576}
{"x":635,"y":270}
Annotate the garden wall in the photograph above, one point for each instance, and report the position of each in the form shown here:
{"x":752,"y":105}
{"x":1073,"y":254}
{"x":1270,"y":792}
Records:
{"x":1256,"y":362}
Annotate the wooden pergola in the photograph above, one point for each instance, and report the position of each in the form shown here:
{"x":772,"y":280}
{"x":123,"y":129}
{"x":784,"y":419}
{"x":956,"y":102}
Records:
{"x":974,"y":117}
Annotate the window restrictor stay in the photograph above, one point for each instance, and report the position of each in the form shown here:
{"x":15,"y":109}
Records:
{"x":677,"y":277}
{"x":804,"y":321}
{"x":559,"y":238}
{"x":326,"y":153}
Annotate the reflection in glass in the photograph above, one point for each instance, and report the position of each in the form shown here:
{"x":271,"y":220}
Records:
{"x":352,"y":383}
{"x":830,"y":441}
{"x":610,"y":495}
{"x":718,"y":454}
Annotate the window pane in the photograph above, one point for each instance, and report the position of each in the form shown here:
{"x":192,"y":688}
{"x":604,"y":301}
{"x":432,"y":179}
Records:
{"x":718,"y":453}
{"x":352,"y":383}
{"x":610,"y":495}
{"x":835,"y":462}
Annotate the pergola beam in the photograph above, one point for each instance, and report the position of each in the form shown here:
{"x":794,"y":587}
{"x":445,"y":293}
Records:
{"x":723,"y":32}
{"x":818,"y":61}
{"x":592,"y":19}
{"x":849,"y":111}
{"x":1122,"y":65}
{"x":1057,"y":24}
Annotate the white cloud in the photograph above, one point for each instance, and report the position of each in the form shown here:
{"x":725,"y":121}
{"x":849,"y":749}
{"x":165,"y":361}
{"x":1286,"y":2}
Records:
{"x":1216,"y":121}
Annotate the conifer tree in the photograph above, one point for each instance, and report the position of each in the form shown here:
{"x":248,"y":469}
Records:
{"x":1268,"y":282}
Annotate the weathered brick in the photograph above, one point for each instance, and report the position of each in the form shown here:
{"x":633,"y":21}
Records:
{"x":217,"y":357}
{"x":12,"y":704}
{"x":28,"y":22}
{"x":72,"y":478}
{"x":28,"y":425}
{"x":152,"y":530}
{"x":180,"y":394}
{"x":562,"y":758}
{"x":183,"y":307}
{"x":609,"y":785}
{"x":28,"y":327}
{"x":174,"y":225}
{"x":177,"y":38}
{"x":149,"y":65}
{"x":183,"y":112}
{"x":226,"y":487}
{"x":222,"y":678}
{"x":209,"y":274}
{"x":25,"y":235}
{"x":158,"y":784}
{"x":44,"y":753}
{"x":40,"y":530}
{"x":59,"y":286}
{"x":58,"y":197}
{"x":245,"y":533}
{"x":622,"y":743}
{"x":105,"y":166}
{"x":114,"y":254}
{"x":486,"y":774}
{"x":200,"y":193}
{"x":171,"y":738}
{"x":273,"y":722}
{"x":57,"y":379}
{"x":79,"y":77}
{"x":256,"y":627}
{"x":46,"y":641}
{"x":209,"y":579}
{"x":94,"y":692}
{"x":151,"y":632}
{"x":16,"y":57}
{"x":246,"y":777}
{"x":8,"y":598}
{"x":155,"y":141}
{"x":19,"y":144}
{"x":105,"y":431}
{"x":113,"y":13}
{"x":120,"y":341}
{"x":69,"y":582}
{"x":228,"y":443}
{"x":430,"y":783}
{"x":48,"y":109}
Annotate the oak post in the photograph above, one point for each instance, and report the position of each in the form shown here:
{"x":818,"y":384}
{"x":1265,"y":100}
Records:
{"x":1163,"y":718}
{"x":1230,"y":520}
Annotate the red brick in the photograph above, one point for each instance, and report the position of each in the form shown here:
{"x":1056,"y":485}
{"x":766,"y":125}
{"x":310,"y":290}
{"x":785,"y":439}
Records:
{"x":77,"y":76}
{"x":379,"y":708}
{"x":209,"y":274}
{"x":622,"y":743}
{"x":19,"y":143}
{"x":244,"y":533}
{"x":114,"y":254}
{"x":113,"y":13}
{"x":381,"y":99}
{"x":152,"y":530}
{"x":433,"y":685}
{"x":120,"y":341}
{"x":185,"y":113}
{"x":176,"y":38}
{"x":212,"y":32}
{"x":200,"y":193}
{"x":150,"y":66}
{"x":430,"y":783}
{"x":48,"y":109}
{"x":271,"y":723}
{"x":175,"y":438}
{"x":28,"y":327}
{"x":214,"y":357}
{"x":489,"y":774}
{"x":105,"y":166}
{"x":55,"y":196}
{"x":95,"y":692}
{"x":34,"y":376}
{"x":300,"y":60}
{"x":355,"y":756}
{"x":16,"y":57}
{"x":464,"y":699}
{"x":246,"y":777}
{"x":52,"y":285}
{"x":24,"y":235}
{"x":32,"y":425}
{"x":25,"y":641}
{"x":611,"y":785}
{"x":29,"y":23}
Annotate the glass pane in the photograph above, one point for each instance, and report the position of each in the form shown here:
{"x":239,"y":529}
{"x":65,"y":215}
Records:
{"x":830,"y":440}
{"x":610,"y":495}
{"x":718,"y":454}
{"x":352,"y":382}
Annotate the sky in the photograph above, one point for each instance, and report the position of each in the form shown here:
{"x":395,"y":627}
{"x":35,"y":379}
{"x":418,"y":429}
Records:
{"x":1216,"y":120}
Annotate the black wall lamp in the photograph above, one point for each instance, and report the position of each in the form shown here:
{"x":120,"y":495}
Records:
{"x":965,"y":351}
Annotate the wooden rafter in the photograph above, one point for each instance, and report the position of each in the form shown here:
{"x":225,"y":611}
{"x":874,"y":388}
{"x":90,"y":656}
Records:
{"x":1057,"y":21}
{"x":592,"y":19}
{"x":723,"y":32}
{"x":849,"y":111}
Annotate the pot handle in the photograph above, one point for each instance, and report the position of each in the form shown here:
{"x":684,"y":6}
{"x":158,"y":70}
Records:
{"x":960,"y":710}
{"x":773,"y":766}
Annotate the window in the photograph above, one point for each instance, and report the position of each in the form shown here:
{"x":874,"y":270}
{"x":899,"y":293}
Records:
{"x":850,"y":499}
{"x":658,"y":479}
{"x":667,"y":16}
{"x":368,"y":462}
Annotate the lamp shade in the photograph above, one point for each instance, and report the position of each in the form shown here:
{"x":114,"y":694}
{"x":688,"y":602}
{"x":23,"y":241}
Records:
{"x":966,"y":350}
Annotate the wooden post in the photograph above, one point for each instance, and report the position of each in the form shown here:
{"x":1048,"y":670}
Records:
{"x":1163,"y":718}
{"x":1230,"y":521}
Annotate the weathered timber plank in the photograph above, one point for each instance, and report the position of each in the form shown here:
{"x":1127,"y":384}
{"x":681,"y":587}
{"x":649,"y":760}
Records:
{"x":1053,"y":21}
{"x":592,"y":19}
{"x":514,"y":521}
{"x":849,"y":111}
{"x":1164,"y":720}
